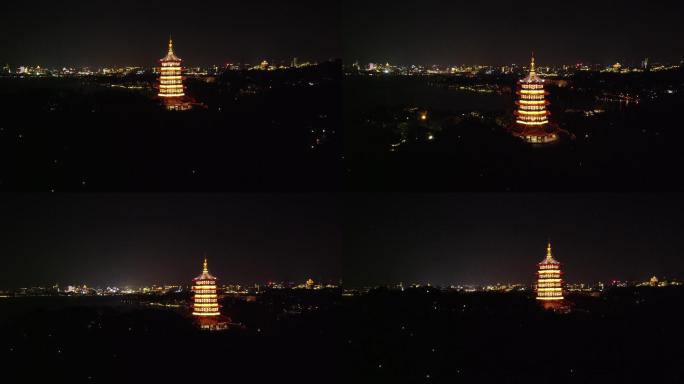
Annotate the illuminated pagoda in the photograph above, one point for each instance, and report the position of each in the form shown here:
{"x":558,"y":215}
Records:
{"x":532,"y":117}
{"x":549,"y":281}
{"x":171,"y":88}
{"x":205,"y":305}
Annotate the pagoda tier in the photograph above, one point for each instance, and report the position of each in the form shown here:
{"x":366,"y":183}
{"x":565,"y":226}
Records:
{"x":171,"y":75}
{"x":532,"y":117}
{"x":205,"y":300}
{"x":549,"y":280}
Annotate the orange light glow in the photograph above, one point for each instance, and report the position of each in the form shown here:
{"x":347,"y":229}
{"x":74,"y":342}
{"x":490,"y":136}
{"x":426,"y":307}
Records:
{"x":549,"y":284}
{"x":532,"y":116}
{"x":205,"y":300}
{"x":170,"y":78}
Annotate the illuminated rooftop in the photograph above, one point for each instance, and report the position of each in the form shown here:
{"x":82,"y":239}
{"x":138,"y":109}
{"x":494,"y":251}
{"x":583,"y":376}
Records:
{"x":205,"y":273}
{"x":170,"y":56}
{"x":532,"y":76}
{"x":549,"y":256}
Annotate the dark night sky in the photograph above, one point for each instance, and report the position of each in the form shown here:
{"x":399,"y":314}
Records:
{"x":498,"y":32}
{"x":451,"y":239}
{"x":147,"y":239}
{"x":100,"y":33}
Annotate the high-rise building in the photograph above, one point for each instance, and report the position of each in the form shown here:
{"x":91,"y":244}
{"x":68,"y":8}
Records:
{"x":549,"y":279}
{"x":532,"y":118}
{"x":205,"y":305}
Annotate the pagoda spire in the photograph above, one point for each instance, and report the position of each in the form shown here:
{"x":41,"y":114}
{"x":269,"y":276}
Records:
{"x":170,"y":44}
{"x":532,"y":69}
{"x":206,"y":268}
{"x":549,"y":255}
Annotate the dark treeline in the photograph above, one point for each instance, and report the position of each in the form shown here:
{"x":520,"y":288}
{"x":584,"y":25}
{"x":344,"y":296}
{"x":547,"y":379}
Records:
{"x":280,"y":336}
{"x":624,"y":146}
{"x":255,"y":132}
{"x":425,"y":335}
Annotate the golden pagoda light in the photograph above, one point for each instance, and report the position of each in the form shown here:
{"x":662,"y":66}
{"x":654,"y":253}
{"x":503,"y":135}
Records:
{"x":171,"y":75}
{"x":532,"y":117}
{"x":205,"y":300}
{"x":549,"y":281}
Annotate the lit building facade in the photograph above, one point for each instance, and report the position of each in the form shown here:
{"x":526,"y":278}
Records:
{"x":549,"y":279}
{"x":205,"y":305}
{"x":171,"y":88}
{"x":205,"y":299}
{"x":532,"y":117}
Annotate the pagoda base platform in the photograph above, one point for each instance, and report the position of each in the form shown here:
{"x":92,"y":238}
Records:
{"x":184,"y":103}
{"x":560,"y":306}
{"x":213,"y":323}
{"x":540,"y":134}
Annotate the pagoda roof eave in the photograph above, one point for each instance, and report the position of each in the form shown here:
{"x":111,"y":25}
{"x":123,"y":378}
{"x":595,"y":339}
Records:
{"x":549,"y":261}
{"x":532,"y":79}
{"x":171,"y":58}
{"x":205,"y":277}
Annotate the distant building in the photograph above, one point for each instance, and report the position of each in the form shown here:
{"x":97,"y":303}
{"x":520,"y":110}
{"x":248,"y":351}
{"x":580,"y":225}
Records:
{"x":532,"y":118}
{"x":549,"y":281}
{"x":205,"y":305}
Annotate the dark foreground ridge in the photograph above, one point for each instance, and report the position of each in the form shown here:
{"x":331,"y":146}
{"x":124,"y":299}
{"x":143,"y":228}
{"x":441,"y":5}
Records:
{"x":423,"y":335}
{"x":451,"y":133}
{"x":283,"y":335}
{"x":256,"y":131}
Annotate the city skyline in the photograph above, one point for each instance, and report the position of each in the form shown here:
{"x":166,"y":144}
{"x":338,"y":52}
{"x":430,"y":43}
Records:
{"x":442,"y":32}
{"x":134,"y":240}
{"x":488,"y":239}
{"x":213,"y":32}
{"x":545,"y":69}
{"x":392,"y":192}
{"x":100,"y":243}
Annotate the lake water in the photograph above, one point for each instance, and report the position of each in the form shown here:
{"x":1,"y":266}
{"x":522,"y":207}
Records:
{"x":367,"y":93}
{"x":17,"y":307}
